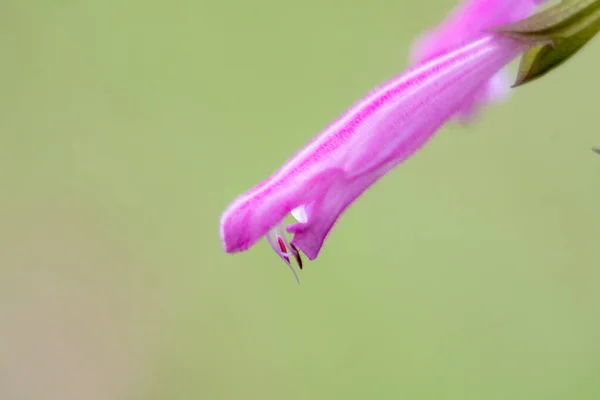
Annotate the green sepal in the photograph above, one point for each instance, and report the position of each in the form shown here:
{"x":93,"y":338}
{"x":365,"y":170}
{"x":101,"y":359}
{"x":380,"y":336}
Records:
{"x":555,"y":34}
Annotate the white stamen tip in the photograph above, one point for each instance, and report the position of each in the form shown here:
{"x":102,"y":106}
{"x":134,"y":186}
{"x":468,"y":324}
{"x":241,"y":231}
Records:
{"x":300,"y":214}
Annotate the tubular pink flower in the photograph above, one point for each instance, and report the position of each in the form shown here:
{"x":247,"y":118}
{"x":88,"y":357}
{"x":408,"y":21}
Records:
{"x":380,"y":131}
{"x":466,"y":22}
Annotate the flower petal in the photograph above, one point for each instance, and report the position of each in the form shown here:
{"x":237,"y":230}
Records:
{"x":469,"y":20}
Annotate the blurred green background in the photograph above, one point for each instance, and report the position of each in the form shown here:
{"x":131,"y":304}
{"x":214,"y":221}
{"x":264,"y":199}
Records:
{"x":127,"y":127}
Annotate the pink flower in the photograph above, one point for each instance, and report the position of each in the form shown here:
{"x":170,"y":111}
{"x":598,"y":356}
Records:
{"x":377,"y":133}
{"x":465,"y":23}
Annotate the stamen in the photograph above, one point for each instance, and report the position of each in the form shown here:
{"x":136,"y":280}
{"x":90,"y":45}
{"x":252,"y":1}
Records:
{"x":281,"y":234}
{"x":281,"y":249}
{"x":287,"y":245}
{"x":270,"y":240}
{"x":297,"y":255}
{"x":284,"y":249}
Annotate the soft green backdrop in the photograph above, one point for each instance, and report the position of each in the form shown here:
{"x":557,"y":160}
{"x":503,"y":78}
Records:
{"x":126,"y":128}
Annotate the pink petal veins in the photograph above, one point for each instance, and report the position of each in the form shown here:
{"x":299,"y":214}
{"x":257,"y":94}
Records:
{"x":466,"y":22}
